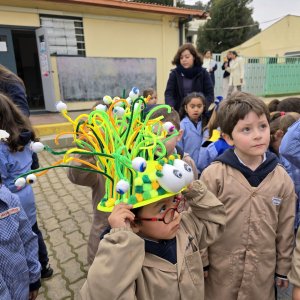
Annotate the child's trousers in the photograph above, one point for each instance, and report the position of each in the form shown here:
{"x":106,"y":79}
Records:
{"x":43,"y":254}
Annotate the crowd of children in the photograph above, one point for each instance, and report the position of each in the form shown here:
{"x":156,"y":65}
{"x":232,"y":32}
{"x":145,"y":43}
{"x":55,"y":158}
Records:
{"x":209,"y":188}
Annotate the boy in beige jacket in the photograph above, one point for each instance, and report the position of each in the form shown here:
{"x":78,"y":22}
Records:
{"x":144,"y":258}
{"x":259,"y":198}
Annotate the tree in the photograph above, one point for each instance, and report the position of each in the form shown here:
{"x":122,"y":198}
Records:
{"x":227,"y":13}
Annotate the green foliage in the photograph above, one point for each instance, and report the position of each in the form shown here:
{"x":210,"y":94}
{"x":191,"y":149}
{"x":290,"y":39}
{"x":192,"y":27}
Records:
{"x":226,"y":13}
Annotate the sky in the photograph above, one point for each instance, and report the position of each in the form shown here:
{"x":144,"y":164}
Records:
{"x":266,"y":10}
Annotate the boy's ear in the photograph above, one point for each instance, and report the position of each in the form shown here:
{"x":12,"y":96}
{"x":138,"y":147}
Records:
{"x":228,"y":139}
{"x":135,"y":227}
{"x":179,"y":136}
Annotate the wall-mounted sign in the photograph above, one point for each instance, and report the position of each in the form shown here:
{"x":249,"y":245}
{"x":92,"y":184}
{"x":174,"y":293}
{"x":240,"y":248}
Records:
{"x":3,"y":46}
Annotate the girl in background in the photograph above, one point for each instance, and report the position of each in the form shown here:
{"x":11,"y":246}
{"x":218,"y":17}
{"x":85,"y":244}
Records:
{"x":213,"y":143}
{"x":193,"y":121}
{"x":279,"y":124}
{"x":16,"y":159}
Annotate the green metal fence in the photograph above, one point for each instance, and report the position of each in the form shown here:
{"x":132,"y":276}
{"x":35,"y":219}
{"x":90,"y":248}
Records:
{"x":266,"y":76}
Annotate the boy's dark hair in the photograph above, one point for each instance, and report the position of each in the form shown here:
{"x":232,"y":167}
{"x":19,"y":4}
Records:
{"x":194,"y":52}
{"x":148,"y":92}
{"x":14,"y":122}
{"x":172,"y":117}
{"x":287,"y":105}
{"x":236,"y":107}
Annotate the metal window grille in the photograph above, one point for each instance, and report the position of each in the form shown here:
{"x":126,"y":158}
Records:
{"x":65,"y":35}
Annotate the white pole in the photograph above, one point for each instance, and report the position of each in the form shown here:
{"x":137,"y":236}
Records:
{"x":174,"y":2}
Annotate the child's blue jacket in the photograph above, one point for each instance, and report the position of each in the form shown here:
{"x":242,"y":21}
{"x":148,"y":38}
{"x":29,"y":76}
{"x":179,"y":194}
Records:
{"x":13,"y":164}
{"x":192,"y":137}
{"x":19,"y":265}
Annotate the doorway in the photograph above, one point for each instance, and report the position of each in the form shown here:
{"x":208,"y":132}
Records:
{"x":28,"y":66}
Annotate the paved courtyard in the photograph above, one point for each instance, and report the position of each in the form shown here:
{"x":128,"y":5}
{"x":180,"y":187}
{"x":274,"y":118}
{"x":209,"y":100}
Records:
{"x":64,"y":216}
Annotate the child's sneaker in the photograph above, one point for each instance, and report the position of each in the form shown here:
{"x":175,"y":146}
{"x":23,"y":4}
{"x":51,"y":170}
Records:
{"x":46,"y":272}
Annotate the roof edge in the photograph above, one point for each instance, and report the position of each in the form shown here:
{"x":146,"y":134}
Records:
{"x":138,"y":6}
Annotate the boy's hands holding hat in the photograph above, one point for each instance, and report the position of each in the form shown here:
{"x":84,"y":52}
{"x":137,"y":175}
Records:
{"x":121,"y":216}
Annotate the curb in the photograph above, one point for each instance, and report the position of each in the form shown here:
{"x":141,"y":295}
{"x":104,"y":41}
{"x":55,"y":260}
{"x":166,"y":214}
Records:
{"x":52,"y":129}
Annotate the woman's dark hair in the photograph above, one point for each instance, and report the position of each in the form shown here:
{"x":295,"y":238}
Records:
{"x":186,"y":100}
{"x":287,"y":105}
{"x":14,"y":122}
{"x":207,"y":50}
{"x":6,"y":76}
{"x":194,"y":52}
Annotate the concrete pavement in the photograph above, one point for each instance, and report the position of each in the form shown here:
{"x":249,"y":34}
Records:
{"x":64,"y":216}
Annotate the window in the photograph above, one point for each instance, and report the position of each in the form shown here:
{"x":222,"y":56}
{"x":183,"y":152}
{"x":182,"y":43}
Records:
{"x":65,"y":35}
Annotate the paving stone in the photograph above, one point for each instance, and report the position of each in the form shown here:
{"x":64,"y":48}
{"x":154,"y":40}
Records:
{"x":59,"y":206}
{"x":76,"y":239}
{"x":64,"y":253}
{"x":52,"y":224}
{"x":72,"y":270}
{"x":81,"y":253}
{"x":75,"y":287}
{"x":69,"y":225}
{"x":73,"y":207}
{"x":57,"y":288}
{"x":85,"y":228}
{"x":56,"y":237}
{"x":63,"y":215}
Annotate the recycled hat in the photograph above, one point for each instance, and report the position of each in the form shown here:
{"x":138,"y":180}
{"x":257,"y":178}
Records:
{"x":128,"y":149}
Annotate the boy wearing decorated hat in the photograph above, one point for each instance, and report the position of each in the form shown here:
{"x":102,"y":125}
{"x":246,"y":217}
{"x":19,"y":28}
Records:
{"x":153,"y":252}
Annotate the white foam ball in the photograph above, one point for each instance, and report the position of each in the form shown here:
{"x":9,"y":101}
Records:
{"x":119,"y":111}
{"x":185,"y":169}
{"x":37,"y":147}
{"x":172,"y":179}
{"x":169,"y":127}
{"x":107,"y":99}
{"x":31,"y":178}
{"x":4,"y":135}
{"x":139,"y":164}
{"x":101,"y":107}
{"x":20,"y":182}
{"x":129,"y":100}
{"x":134,"y":93}
{"x":122,"y":186}
{"x":60,"y":106}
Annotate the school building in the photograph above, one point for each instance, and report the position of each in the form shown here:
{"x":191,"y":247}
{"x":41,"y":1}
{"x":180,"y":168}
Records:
{"x":81,"y":50}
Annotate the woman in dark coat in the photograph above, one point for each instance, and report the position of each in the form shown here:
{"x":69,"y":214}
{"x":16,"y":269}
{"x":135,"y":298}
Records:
{"x":187,"y":77}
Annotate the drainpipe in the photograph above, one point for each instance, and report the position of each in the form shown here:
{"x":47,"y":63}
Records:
{"x":181,"y":26}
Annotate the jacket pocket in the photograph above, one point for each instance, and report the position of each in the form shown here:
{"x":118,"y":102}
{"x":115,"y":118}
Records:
{"x":194,"y":266}
{"x":221,"y":268}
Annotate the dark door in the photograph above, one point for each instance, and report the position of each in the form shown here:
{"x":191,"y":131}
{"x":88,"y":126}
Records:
{"x":28,"y":66}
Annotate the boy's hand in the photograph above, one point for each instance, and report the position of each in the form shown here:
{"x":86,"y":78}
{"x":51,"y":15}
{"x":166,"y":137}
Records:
{"x":33,"y":294}
{"x":121,"y":216}
{"x":282,"y":283}
{"x":296,"y":293}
